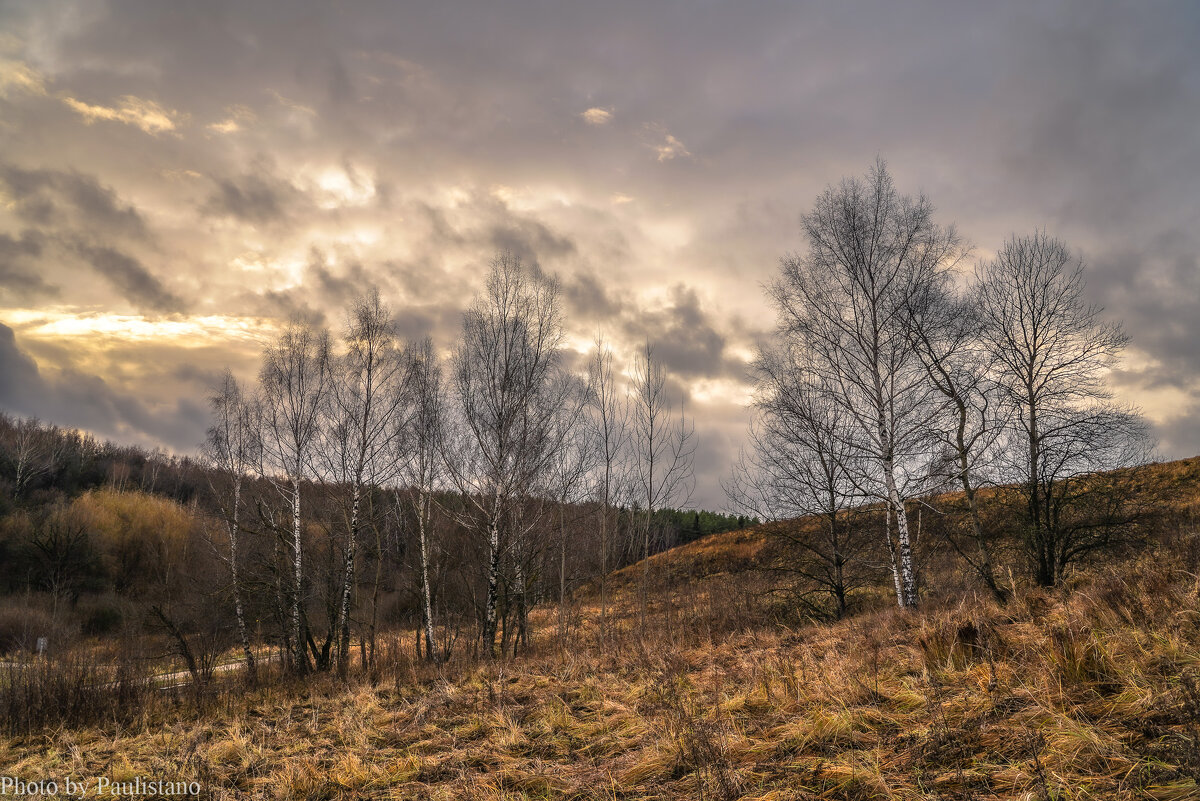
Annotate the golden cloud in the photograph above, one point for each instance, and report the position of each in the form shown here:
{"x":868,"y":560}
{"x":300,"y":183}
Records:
{"x":670,"y":148}
{"x":17,"y":76}
{"x":596,"y":116}
{"x":144,"y":114}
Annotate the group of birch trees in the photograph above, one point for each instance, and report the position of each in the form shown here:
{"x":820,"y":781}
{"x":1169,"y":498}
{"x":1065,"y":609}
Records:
{"x":895,"y":375}
{"x":496,"y":473}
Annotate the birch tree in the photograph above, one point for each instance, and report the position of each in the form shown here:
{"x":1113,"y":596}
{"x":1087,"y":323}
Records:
{"x":422,"y":469}
{"x":233,"y":448}
{"x":1053,"y":350}
{"x":944,"y":330}
{"x":295,"y":382}
{"x":366,"y":405}
{"x":844,"y":301}
{"x":610,"y":423}
{"x":503,"y":375}
{"x":663,"y":447}
{"x":35,"y":451}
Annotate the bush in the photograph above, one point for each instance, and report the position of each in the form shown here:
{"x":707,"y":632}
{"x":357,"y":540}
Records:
{"x":104,"y":618}
{"x":20,"y":627}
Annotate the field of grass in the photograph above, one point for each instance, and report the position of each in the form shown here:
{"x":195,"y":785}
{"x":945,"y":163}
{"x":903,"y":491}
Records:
{"x":1090,"y":691}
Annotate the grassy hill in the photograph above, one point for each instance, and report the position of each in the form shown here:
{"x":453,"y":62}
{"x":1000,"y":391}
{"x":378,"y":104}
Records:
{"x":1087,"y":691}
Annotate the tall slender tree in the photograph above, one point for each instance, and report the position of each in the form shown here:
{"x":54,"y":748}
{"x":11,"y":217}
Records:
{"x":233,"y":449}
{"x":610,"y":422}
{"x":295,"y":383}
{"x":572,"y":460}
{"x":1052,"y":349}
{"x":365,"y":411}
{"x":504,"y":373}
{"x":663,"y":447}
{"x":844,"y":301}
{"x":422,"y":470}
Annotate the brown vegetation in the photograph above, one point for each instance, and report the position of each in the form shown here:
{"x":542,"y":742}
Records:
{"x":1090,"y":690}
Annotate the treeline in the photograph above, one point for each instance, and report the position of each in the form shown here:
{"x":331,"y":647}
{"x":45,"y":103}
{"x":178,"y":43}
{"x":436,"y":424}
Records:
{"x":498,"y":475}
{"x":687,"y":525}
{"x":894,"y":377}
{"x":360,"y":483}
{"x":41,"y":463}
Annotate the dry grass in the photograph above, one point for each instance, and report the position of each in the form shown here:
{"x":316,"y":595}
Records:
{"x":1088,"y":694}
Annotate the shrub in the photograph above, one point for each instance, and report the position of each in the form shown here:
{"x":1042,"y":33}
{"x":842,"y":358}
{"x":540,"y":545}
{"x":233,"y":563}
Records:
{"x":20,"y":627}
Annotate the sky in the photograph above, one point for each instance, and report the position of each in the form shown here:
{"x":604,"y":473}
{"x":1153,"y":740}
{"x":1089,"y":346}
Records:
{"x":177,"y":179}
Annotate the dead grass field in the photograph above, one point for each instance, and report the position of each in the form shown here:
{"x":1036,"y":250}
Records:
{"x":1091,"y":691}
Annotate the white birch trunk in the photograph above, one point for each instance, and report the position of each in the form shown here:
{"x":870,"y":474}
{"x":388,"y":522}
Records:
{"x":348,"y":582}
{"x":301,"y":657}
{"x":908,"y":577}
{"x":239,"y":611}
{"x":426,"y":598}
{"x":489,"y":614}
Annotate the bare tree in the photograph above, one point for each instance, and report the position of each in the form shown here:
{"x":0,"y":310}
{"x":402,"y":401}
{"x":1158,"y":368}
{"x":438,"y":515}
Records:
{"x":610,"y":421}
{"x":800,"y":465}
{"x":233,"y":449}
{"x":504,"y":376}
{"x":971,"y":420}
{"x":577,"y":453}
{"x":663,"y":447}
{"x":34,"y":451}
{"x":422,"y":470}
{"x":367,"y":403}
{"x":844,"y":302}
{"x":295,"y":381}
{"x":1052,"y":351}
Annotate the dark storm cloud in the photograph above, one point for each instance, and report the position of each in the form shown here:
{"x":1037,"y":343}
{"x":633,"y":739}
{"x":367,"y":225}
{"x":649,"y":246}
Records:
{"x":528,"y":239}
{"x":129,"y":276}
{"x":685,"y":337}
{"x":588,"y":298}
{"x":39,"y":192}
{"x":253,"y":198}
{"x":84,"y":401}
{"x":341,"y":285}
{"x":19,"y":279}
{"x":1155,"y":290}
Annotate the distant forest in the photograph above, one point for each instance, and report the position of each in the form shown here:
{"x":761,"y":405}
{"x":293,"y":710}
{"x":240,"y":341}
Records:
{"x":90,"y":529}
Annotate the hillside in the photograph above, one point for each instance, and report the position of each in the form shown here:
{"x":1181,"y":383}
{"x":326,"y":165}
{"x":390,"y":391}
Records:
{"x":1088,"y":691}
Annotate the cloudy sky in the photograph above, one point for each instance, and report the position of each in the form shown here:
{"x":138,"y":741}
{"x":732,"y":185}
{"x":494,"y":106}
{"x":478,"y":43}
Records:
{"x":177,"y":178}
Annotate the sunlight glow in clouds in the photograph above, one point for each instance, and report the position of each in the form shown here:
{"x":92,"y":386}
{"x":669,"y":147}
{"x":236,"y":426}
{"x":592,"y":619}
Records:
{"x":144,"y":114}
{"x":171,"y":188}
{"x":67,"y":324}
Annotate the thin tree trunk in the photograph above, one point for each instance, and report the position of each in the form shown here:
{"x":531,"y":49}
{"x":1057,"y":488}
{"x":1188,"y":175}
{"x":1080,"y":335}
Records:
{"x":521,"y":637}
{"x":488,"y":636}
{"x":426,"y":597}
{"x":908,"y":577}
{"x":562,"y":576}
{"x":343,"y":651}
{"x":281,"y":609}
{"x":986,"y":570}
{"x":301,"y":656}
{"x":887,"y":512}
{"x":604,"y":566}
{"x":239,"y":612}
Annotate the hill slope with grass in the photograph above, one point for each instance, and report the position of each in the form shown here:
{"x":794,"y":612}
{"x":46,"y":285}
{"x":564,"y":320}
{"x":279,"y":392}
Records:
{"x":1086,"y":691}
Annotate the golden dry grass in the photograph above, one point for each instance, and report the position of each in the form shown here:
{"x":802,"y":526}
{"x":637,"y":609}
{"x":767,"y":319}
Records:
{"x":1088,"y":694}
